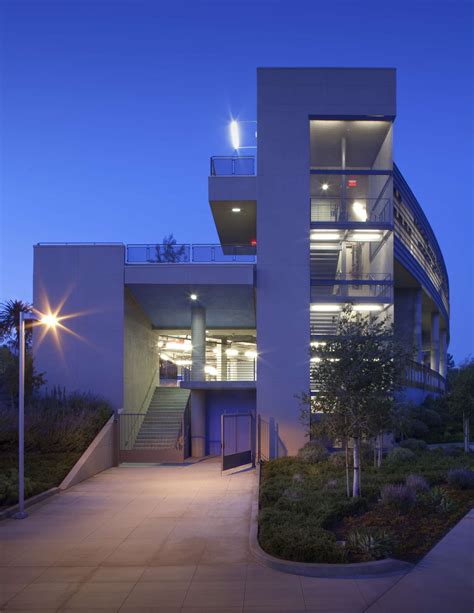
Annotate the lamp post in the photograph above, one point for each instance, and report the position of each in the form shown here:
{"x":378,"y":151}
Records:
{"x":49,"y":320}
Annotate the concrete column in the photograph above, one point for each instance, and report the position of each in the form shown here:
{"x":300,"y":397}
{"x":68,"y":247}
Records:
{"x":417,"y":326}
{"x":434,"y":347}
{"x":198,"y":423}
{"x":224,"y":360}
{"x":443,"y":353}
{"x":198,"y":340}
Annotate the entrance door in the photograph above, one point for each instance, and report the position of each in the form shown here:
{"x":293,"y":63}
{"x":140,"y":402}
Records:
{"x":237,"y":436}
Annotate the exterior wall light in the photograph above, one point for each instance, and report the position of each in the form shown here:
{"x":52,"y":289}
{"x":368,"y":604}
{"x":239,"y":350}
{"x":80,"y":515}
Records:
{"x":236,"y":210}
{"x":234,"y":134}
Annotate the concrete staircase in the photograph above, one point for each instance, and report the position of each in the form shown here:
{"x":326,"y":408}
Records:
{"x":161,"y":427}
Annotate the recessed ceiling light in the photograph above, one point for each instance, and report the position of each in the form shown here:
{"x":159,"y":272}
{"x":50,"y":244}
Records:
{"x":235,"y":210}
{"x":193,"y":296}
{"x":324,"y":187}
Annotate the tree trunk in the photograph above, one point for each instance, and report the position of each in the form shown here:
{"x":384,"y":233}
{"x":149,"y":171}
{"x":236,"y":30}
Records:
{"x":356,"y":481}
{"x":348,"y":485}
{"x":466,"y":432}
{"x":375,"y":451}
{"x":379,"y":449}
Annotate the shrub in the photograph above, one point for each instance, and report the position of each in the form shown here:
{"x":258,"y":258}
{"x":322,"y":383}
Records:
{"x":439,"y":500}
{"x":399,"y":454}
{"x":297,"y":537}
{"x":399,"y":497}
{"x":313,"y":452}
{"x":417,"y":483}
{"x":9,"y":487}
{"x":461,"y":478}
{"x":338,"y":459}
{"x":368,"y":544}
{"x":413,"y":444}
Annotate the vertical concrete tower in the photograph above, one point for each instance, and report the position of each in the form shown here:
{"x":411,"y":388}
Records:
{"x":294,"y":158}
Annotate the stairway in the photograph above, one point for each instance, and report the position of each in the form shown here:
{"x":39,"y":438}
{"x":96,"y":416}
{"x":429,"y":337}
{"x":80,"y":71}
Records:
{"x":161,"y":427}
{"x":324,"y":262}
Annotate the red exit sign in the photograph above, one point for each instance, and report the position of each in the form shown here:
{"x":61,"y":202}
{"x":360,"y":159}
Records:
{"x":352,"y":183}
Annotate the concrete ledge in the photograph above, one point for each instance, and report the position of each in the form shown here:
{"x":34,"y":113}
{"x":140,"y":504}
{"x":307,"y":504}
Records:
{"x":29,"y":502}
{"x":353,"y":571}
{"x":99,"y":456}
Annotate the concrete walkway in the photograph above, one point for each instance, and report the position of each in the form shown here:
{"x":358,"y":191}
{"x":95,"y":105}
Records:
{"x":175,"y":539}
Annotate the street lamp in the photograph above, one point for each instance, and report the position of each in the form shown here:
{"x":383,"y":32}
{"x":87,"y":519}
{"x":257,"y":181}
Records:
{"x":50,"y":321}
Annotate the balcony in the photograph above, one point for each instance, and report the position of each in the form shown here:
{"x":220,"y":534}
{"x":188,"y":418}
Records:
{"x":231,"y":166}
{"x":336,"y":210}
{"x":190,"y":254}
{"x":420,"y":376}
{"x":378,"y":286}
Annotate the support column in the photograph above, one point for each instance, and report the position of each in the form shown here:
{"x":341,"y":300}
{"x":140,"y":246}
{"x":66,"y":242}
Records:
{"x":443,"y":353}
{"x":434,"y":348}
{"x":223,"y":359}
{"x":417,"y":326}
{"x":198,"y":340}
{"x":198,"y":423}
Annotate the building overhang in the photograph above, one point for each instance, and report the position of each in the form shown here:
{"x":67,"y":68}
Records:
{"x":164,"y":293}
{"x":233,"y":202}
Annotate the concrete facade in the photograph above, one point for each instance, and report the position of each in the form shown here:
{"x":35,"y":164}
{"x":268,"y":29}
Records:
{"x":243,"y":345}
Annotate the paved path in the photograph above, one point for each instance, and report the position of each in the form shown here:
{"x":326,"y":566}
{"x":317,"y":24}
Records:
{"x":169,"y":539}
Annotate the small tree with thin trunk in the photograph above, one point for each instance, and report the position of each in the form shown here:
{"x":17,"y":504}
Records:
{"x":461,"y":398}
{"x":170,"y":251}
{"x":356,"y":374}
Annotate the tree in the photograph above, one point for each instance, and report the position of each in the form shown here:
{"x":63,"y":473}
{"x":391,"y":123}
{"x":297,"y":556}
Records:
{"x":9,"y":375}
{"x":356,"y":373}
{"x":10,"y":322}
{"x":461,"y":398}
{"x":169,"y":251}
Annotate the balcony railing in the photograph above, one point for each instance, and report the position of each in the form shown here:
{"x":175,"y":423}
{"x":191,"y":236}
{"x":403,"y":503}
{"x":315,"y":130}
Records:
{"x":235,"y":165}
{"x":372,"y":285}
{"x":190,"y":254}
{"x":234,"y":371}
{"x":419,"y":375}
{"x":351,"y":210}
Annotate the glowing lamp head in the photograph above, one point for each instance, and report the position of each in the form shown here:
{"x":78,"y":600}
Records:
{"x":49,"y":320}
{"x":234,"y":134}
{"x":193,"y":297}
{"x":325,"y":187}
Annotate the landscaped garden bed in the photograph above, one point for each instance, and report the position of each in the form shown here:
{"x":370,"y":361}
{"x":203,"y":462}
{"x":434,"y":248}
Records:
{"x":58,"y":429}
{"x":406,"y":506}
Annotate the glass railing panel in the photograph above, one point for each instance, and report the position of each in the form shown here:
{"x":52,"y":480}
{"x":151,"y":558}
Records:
{"x":351,"y":210}
{"x":183,"y":254}
{"x":228,"y":166}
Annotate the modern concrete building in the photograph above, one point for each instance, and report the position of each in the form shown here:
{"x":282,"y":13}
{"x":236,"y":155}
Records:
{"x":175,"y":336}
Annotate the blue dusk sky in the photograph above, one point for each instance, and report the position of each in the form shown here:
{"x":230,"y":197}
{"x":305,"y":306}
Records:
{"x":110,"y":111}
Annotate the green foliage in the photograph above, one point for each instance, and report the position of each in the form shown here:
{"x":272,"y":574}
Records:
{"x":461,"y":478}
{"x":42,"y":472}
{"x":370,"y":544}
{"x":56,"y":423}
{"x":297,"y":537}
{"x":314,"y":451}
{"x":338,"y":459}
{"x":399,"y":454}
{"x":10,"y":322}
{"x":413,"y":444}
{"x":9,"y":375}
{"x":169,"y":251}
{"x":439,"y":500}
{"x":304,"y":501}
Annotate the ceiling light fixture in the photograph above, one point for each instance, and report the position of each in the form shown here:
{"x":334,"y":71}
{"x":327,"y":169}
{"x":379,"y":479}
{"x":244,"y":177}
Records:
{"x":193,"y":296}
{"x":368,"y":307}
{"x":325,"y":308}
{"x":236,"y":210}
{"x":325,"y":187}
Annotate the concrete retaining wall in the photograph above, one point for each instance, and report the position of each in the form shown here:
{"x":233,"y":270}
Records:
{"x":99,"y":456}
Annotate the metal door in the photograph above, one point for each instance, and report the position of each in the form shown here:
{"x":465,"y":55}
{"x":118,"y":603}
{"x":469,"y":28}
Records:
{"x":237,"y":439}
